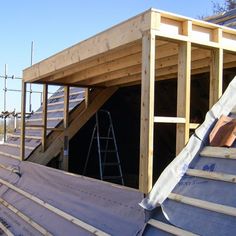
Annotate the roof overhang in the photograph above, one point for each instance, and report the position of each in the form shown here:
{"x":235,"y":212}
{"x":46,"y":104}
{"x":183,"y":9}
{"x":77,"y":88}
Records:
{"x":114,"y":56}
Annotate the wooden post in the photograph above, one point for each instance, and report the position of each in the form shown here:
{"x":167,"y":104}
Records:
{"x":216,"y":76}
{"x":147,"y":112}
{"x":183,"y":94}
{"x":86,"y":97}
{"x":23,"y":103}
{"x":65,"y":157}
{"x":45,"y":106}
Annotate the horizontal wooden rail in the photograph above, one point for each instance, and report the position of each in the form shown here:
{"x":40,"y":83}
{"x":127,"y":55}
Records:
{"x":169,"y":228}
{"x":164,"y":119}
{"x":219,"y":152}
{"x":62,"y":96}
{"x":62,"y":102}
{"x":9,"y":155}
{"x":5,"y":230}
{"x":210,"y":206}
{"x":50,"y":111}
{"x":27,"y":219}
{"x":26,"y":136}
{"x":212,"y":175}
{"x":193,"y":125}
{"x":11,"y":169}
{"x":40,"y":119}
{"x":17,"y":146}
{"x":55,"y":210}
{"x":55,"y":129}
{"x":33,"y":126}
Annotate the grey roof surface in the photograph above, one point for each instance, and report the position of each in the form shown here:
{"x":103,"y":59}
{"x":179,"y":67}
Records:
{"x":104,"y":208}
{"x":197,"y":204}
{"x":54,"y":119}
{"x":226,"y":19}
{"x":109,"y":208}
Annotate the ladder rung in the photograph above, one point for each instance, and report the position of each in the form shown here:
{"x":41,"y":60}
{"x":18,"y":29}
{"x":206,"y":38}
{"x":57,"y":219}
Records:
{"x":111,"y":164}
{"x":108,"y":138}
{"x":112,"y":177}
{"x":108,"y":150}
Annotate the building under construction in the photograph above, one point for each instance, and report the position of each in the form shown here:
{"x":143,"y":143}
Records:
{"x":130,"y":98}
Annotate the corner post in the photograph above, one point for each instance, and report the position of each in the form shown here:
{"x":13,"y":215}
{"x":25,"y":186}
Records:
{"x":65,"y":159}
{"x":216,"y":76}
{"x":87,"y":97}
{"x":23,"y":104}
{"x":45,"y":105}
{"x":183,"y":94}
{"x":147,"y":112}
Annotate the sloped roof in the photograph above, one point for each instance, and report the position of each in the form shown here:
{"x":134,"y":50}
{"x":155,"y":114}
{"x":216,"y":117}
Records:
{"x":53,"y":202}
{"x":114,"y":57}
{"x":199,"y":185}
{"x":225,"y":18}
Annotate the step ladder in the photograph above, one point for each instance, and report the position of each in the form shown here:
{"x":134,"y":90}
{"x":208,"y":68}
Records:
{"x":103,"y":135}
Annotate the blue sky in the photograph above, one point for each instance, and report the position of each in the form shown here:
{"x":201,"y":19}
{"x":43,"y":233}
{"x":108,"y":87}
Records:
{"x":57,"y":24}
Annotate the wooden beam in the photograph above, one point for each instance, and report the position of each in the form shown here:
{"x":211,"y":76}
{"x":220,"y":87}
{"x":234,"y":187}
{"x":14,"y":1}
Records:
{"x":87,"y":97}
{"x":219,"y":152}
{"x":5,"y":230}
{"x":211,"y":175}
{"x":62,"y":95}
{"x":23,"y":105}
{"x":25,"y":218}
{"x":164,"y":119}
{"x":55,"y":210}
{"x":147,"y":113}
{"x":124,"y":33}
{"x":164,"y":66}
{"x":169,"y":72}
{"x":17,"y":146}
{"x":26,"y":136}
{"x":77,"y":120}
{"x":183,"y":94}
{"x":193,"y":125}
{"x":44,"y":118}
{"x":9,"y":155}
{"x":62,"y":102}
{"x":65,"y":154}
{"x":216,"y":76}
{"x":39,"y":119}
{"x":170,"y":228}
{"x":223,"y":209}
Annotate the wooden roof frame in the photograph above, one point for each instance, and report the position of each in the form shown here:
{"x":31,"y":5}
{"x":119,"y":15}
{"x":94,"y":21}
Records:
{"x":63,"y":67}
{"x":152,"y":46}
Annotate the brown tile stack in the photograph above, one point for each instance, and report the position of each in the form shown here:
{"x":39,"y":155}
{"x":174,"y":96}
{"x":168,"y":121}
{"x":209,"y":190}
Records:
{"x":224,"y":132}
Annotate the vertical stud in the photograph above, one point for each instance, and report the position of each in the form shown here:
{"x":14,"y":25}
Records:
{"x":147,"y":112}
{"x":45,"y":105}
{"x":183,"y":94}
{"x":23,"y":103}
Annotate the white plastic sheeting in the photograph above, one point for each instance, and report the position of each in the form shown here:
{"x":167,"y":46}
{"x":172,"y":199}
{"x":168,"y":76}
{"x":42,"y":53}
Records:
{"x":177,"y":168}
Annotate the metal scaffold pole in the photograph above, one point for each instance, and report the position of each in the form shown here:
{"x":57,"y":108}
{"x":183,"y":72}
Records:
{"x":30,"y":85}
{"x":4,"y":106}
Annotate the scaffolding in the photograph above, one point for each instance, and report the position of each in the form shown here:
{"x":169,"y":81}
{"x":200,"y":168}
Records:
{"x":14,"y":113}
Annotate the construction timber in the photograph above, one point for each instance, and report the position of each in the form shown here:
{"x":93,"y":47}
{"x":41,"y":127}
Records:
{"x":152,"y":46}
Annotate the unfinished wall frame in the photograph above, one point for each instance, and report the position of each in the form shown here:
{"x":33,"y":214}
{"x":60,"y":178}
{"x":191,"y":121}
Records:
{"x":125,"y":55}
